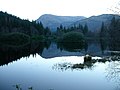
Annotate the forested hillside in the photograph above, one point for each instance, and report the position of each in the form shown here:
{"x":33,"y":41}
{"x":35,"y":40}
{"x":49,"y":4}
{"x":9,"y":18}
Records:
{"x":10,"y":23}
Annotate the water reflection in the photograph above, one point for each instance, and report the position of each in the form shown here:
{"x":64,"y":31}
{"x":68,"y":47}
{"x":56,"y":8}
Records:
{"x":11,"y":53}
{"x":44,"y":70}
{"x":56,"y":51}
{"x":37,"y":72}
{"x":76,"y":66}
{"x":49,"y":50}
{"x":71,"y":47}
{"x":114,"y":44}
{"x":103,"y":45}
{"x":88,"y":64}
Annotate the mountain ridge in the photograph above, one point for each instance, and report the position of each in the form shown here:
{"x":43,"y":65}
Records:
{"x":54,"y":21}
{"x":94,"y":22}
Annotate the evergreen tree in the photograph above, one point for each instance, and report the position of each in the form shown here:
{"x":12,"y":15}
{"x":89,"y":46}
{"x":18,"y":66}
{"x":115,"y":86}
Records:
{"x":47,"y":32}
{"x":61,"y":27}
{"x":114,"y":29}
{"x":102,"y":31}
{"x":85,"y":29}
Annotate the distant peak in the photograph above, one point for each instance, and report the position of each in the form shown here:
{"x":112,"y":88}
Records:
{"x":48,"y":15}
{"x":60,"y":15}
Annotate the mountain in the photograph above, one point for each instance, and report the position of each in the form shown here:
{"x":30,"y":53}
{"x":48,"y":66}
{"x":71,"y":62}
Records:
{"x":53,"y":21}
{"x":94,"y":23}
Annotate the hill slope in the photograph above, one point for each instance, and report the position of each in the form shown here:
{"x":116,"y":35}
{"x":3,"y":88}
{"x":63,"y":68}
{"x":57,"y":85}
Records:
{"x":94,"y":23}
{"x":53,"y":21}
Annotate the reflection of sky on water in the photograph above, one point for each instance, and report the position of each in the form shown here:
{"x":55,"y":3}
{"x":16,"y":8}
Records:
{"x":45,"y":66}
{"x":38,"y":73}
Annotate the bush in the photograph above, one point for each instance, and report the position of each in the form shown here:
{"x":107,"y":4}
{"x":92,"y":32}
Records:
{"x":72,"y":37}
{"x":38,"y":37}
{"x":72,"y":41}
{"x":14,"y":38}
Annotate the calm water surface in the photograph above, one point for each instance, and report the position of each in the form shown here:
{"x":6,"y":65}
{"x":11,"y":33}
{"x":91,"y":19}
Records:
{"x":55,"y":68}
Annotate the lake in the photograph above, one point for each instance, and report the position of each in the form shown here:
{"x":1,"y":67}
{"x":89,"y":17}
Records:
{"x":54,"y":66}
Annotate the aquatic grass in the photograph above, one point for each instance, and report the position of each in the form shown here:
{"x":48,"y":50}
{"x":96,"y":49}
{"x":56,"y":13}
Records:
{"x":30,"y":88}
{"x":18,"y":87}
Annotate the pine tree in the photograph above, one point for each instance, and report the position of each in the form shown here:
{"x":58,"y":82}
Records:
{"x":102,"y":30}
{"x":47,"y":32}
{"x":114,"y":29}
{"x":85,"y":29}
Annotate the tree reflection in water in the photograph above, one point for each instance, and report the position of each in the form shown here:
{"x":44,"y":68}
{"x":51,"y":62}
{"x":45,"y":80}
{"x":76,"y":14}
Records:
{"x":71,"y":47}
{"x":12,"y":53}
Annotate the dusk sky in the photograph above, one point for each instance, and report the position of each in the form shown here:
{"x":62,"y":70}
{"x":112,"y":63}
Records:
{"x":33,"y":9}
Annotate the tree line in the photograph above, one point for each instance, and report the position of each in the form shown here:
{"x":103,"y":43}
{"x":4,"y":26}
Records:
{"x":10,"y":23}
{"x":80,"y":28}
{"x":111,"y":31}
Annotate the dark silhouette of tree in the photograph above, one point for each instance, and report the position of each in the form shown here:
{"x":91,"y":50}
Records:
{"x":61,"y":27}
{"x":114,"y":29}
{"x":103,"y":31}
{"x":85,"y":29}
{"x":114,"y":33}
{"x":47,"y":32}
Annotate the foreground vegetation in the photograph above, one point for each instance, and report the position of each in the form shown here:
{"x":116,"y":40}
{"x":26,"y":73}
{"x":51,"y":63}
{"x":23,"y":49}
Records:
{"x":29,"y":88}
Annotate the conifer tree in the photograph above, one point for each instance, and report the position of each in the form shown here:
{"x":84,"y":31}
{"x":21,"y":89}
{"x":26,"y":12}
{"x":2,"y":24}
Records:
{"x":85,"y":29}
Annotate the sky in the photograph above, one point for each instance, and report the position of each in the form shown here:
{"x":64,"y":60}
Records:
{"x":33,"y":9}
